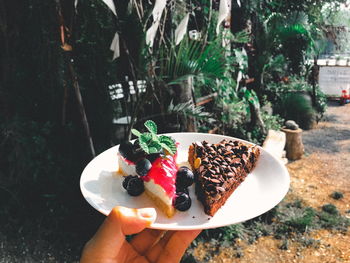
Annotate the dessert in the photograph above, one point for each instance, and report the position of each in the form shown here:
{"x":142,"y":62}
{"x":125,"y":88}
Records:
{"x":219,"y":169}
{"x":149,"y":165}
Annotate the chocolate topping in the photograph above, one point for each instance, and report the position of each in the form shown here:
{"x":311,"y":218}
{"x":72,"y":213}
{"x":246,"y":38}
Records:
{"x":223,"y":166}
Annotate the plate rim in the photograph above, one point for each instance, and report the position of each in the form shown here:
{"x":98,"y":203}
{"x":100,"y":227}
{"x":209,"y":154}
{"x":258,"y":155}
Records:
{"x":162,"y":226}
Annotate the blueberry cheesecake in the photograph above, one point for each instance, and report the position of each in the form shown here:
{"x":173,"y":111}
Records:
{"x":149,"y":165}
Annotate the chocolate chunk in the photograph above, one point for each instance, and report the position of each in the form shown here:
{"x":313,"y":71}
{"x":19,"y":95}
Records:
{"x":215,"y":181}
{"x":220,"y":189}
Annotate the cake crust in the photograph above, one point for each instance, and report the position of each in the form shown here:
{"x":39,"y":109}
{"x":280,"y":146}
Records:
{"x":219,"y":169}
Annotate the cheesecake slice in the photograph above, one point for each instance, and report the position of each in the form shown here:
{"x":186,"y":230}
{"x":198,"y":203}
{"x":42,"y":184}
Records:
{"x":159,"y":178}
{"x":219,"y":169}
{"x":160,"y":183}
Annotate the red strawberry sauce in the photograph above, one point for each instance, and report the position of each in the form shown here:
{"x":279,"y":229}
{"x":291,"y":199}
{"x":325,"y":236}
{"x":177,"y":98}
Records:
{"x":163,"y":172}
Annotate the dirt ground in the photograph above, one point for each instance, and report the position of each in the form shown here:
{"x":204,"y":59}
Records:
{"x":323,"y":170}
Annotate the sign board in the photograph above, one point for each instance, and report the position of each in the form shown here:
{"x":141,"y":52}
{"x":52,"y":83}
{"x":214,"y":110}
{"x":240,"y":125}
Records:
{"x":333,"y":80}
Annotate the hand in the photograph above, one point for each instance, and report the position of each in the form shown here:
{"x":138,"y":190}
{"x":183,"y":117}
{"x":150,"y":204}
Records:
{"x":109,"y":245}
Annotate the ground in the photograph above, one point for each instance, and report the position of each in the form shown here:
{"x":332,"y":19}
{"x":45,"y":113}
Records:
{"x":58,"y":234}
{"x":323,"y":170}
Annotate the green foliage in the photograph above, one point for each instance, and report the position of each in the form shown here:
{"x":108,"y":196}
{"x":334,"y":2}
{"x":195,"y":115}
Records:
{"x":331,"y":209}
{"x":337,"y":195}
{"x":301,"y":223}
{"x":271,"y":122}
{"x":151,"y":143}
{"x":292,"y":100}
{"x":331,"y":221}
{"x":191,"y":58}
{"x":188,"y":109}
{"x":298,"y":107}
{"x":229,"y":233}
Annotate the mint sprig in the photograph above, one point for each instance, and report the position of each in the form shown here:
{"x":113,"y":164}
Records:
{"x":150,"y":142}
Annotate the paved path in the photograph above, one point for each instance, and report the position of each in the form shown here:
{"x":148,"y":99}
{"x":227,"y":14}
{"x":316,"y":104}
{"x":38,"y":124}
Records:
{"x":325,"y":168}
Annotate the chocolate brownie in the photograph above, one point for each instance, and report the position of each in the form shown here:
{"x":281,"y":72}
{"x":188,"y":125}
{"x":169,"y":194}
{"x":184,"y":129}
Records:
{"x":219,"y":169}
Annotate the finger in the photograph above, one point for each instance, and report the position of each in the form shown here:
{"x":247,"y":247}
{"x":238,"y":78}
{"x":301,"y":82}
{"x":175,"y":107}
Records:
{"x":178,"y":241}
{"x":110,"y":236}
{"x":129,"y":254}
{"x":145,"y":240}
{"x":177,"y":245}
{"x":157,"y":248}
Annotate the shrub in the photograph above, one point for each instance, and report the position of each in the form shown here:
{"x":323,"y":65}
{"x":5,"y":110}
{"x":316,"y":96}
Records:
{"x":292,"y":100}
{"x":331,"y":209}
{"x":298,"y":107}
{"x":337,"y":195}
{"x":301,"y":223}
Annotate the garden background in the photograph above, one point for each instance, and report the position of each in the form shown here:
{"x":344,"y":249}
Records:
{"x":238,"y":71}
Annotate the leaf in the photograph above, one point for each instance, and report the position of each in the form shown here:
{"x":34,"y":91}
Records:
{"x":252,"y":98}
{"x":145,"y":139}
{"x":168,"y":144}
{"x":136,"y":132}
{"x":155,"y":147}
{"x":151,"y":126}
{"x":167,"y":148}
{"x":144,"y":146}
{"x":153,"y":150}
{"x":111,"y":6}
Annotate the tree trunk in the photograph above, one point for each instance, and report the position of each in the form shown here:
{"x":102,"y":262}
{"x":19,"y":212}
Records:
{"x":294,"y":144}
{"x":184,"y":94}
{"x":256,"y":119}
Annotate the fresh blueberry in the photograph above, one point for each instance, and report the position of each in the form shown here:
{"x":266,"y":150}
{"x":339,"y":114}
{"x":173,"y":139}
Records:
{"x":182,"y":202}
{"x":137,"y":151}
{"x":143,"y":166}
{"x":180,"y":189}
{"x":135,"y":186}
{"x":126,"y":181}
{"x":153,"y":156}
{"x":126,"y":149}
{"x":184,"y":177}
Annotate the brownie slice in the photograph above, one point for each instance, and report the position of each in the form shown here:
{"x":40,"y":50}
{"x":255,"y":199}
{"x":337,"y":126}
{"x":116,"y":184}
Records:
{"x":219,"y":169}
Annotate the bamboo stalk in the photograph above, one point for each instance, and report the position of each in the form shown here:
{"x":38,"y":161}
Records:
{"x":81,"y":107}
{"x":73,"y":75}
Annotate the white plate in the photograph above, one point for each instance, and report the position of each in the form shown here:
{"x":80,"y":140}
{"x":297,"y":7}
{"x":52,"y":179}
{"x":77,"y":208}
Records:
{"x":263,"y":189}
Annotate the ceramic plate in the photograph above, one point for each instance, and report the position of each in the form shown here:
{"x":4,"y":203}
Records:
{"x":263,"y":189}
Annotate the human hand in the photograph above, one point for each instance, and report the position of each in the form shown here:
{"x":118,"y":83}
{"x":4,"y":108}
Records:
{"x":109,"y":245}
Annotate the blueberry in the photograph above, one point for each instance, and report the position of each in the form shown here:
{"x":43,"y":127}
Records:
{"x":180,"y":189}
{"x":182,"y":202}
{"x":184,"y":177}
{"x":137,"y":151}
{"x":126,"y":149}
{"x":143,"y":166}
{"x":126,"y":180}
{"x":153,"y":156}
{"x":135,"y":186}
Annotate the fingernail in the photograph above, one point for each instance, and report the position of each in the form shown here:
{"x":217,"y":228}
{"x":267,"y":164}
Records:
{"x":147,"y":213}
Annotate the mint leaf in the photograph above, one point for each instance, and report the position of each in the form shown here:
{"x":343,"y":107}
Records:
{"x":155,"y":138}
{"x":167,"y":148}
{"x":144,"y":146}
{"x":153,"y":150}
{"x":145,"y":139}
{"x":136,"y":132}
{"x":156,"y":147}
{"x":168,"y":144}
{"x":151,"y":126}
{"x":150,"y":142}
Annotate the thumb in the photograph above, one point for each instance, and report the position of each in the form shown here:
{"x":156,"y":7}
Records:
{"x":131,"y":220}
{"x":110,"y":236}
